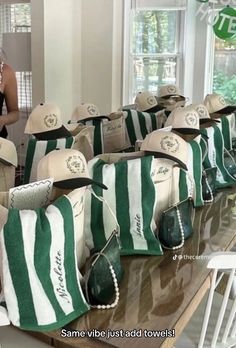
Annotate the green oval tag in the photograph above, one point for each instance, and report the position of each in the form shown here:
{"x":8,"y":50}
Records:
{"x":225,"y":27}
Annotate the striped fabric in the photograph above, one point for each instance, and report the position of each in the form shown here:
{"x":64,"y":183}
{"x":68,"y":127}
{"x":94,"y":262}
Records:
{"x":215,"y":156}
{"x":131,"y":195}
{"x":139,"y":124}
{"x":40,"y":280}
{"x":98,"y":145}
{"x":190,"y":183}
{"x":227,"y":125}
{"x":39,"y":148}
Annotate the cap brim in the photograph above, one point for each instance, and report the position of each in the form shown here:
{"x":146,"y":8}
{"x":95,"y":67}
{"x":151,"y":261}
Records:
{"x":163,"y":155}
{"x":227,"y":110}
{"x":167,"y":96}
{"x":187,"y":130}
{"x":154,"y":109}
{"x":74,"y":183}
{"x":61,"y":132}
{"x":94,"y":118}
{"x":6,"y":162}
{"x":207,"y":120}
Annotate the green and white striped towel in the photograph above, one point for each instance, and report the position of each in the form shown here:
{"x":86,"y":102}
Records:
{"x":37,"y":149}
{"x":139,"y":124}
{"x":215,"y":156}
{"x":131,"y":196}
{"x":227,"y":126}
{"x":40,"y":277}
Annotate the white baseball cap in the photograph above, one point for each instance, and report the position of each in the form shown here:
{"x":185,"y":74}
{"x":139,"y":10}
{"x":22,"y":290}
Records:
{"x":184,"y":120}
{"x":8,"y":154}
{"x":216,"y":103}
{"x":169,"y":91}
{"x":203,"y":114}
{"x":68,"y":168}
{"x":146,"y":102}
{"x":45,"y":123}
{"x":86,"y":111}
{"x":166,"y":145}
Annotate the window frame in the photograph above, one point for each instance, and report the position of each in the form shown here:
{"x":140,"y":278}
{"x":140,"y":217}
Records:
{"x":128,"y":56}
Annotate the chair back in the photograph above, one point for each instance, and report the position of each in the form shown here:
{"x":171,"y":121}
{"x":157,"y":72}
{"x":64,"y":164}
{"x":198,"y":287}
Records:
{"x":221,"y":263}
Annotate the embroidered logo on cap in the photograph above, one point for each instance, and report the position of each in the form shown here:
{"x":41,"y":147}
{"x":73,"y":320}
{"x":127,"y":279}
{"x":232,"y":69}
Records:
{"x":92,"y":110}
{"x":170,"y":144}
{"x":201,"y":111}
{"x":171,"y":89}
{"x":50,"y":121}
{"x":222,"y":100}
{"x":191,"y":119}
{"x":75,"y":164}
{"x":151,"y":100}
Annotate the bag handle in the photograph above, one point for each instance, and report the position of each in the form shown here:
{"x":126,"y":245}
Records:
{"x":209,"y":188}
{"x":114,"y":278}
{"x":103,"y":200}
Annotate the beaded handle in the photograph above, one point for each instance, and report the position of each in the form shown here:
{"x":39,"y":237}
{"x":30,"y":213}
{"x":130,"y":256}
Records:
{"x":115,"y":283}
{"x":210,"y":190}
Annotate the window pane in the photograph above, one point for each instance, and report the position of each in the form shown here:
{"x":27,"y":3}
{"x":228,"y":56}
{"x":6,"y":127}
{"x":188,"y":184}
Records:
{"x":150,"y":72}
{"x":224,"y":76}
{"x":154,"y":49}
{"x":154,"y":32}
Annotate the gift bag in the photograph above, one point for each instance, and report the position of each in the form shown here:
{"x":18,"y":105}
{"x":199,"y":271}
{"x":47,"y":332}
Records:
{"x":131,"y":196}
{"x":40,"y":280}
{"x":84,"y":140}
{"x":114,"y":134}
{"x":103,"y":275}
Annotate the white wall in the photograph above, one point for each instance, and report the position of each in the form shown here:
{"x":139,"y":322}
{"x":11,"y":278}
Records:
{"x":101,"y":53}
{"x":56,"y":53}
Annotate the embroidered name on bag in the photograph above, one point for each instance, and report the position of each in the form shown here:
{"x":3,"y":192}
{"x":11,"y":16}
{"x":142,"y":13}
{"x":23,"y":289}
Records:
{"x":138,"y":224}
{"x":61,"y":282}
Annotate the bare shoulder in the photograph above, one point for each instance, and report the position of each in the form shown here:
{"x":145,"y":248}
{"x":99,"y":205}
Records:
{"x":8,"y":72}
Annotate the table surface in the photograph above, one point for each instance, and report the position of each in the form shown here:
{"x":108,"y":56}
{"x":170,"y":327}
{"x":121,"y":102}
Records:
{"x":161,"y":292}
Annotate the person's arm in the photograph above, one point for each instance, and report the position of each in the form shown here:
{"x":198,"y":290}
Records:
{"x":11,"y":99}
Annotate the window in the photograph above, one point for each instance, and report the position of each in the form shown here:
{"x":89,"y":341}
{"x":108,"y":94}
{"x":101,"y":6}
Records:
{"x":224,"y":71}
{"x":154,"y":49}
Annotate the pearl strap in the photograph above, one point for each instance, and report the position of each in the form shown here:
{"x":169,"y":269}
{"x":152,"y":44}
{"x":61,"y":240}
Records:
{"x":210,"y":190}
{"x":115,"y":283}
